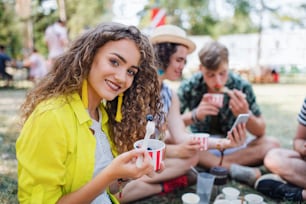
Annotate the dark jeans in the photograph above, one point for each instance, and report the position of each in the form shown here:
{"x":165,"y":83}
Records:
{"x":5,"y":75}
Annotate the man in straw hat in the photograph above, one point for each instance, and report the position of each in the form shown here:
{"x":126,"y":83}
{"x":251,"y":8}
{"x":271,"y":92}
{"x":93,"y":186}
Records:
{"x":171,"y":46}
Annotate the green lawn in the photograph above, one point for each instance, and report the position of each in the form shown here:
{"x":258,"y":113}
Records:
{"x":280,"y":104}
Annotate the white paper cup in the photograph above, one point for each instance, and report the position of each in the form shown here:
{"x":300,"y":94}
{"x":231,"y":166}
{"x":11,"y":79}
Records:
{"x":156,"y":150}
{"x":230,"y":193}
{"x":217,"y":99}
{"x":190,"y":198}
{"x":253,"y":198}
{"x":202,"y":138}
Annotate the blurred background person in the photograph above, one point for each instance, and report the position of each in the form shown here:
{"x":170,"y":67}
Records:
{"x":4,"y":59}
{"x":56,"y":38}
{"x":37,"y":66}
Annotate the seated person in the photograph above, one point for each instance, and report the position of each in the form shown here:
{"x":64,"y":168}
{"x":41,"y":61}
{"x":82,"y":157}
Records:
{"x":205,"y":115}
{"x":4,"y":60}
{"x":289,"y":167}
{"x":37,"y":66}
{"x":171,"y":48}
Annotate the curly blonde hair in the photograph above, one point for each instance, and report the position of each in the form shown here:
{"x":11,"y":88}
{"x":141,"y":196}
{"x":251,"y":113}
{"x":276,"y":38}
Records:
{"x":71,"y":68}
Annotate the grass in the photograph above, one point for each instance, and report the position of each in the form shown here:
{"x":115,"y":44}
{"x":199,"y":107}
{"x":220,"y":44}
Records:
{"x":280,"y":104}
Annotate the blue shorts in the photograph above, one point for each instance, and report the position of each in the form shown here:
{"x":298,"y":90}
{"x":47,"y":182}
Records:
{"x":216,"y":152}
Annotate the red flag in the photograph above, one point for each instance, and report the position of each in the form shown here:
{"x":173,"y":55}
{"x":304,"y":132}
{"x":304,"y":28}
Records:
{"x":158,"y":17}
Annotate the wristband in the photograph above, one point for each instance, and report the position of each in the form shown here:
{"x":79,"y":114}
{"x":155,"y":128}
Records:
{"x":219,"y":145}
{"x":221,"y":149}
{"x":194,"y":117}
{"x":120,"y":182}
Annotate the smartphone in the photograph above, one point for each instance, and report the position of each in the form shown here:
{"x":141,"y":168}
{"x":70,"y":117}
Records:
{"x":242,"y":118}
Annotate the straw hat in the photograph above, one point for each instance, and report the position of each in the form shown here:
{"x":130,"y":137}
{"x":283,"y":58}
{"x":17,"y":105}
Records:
{"x":173,"y":34}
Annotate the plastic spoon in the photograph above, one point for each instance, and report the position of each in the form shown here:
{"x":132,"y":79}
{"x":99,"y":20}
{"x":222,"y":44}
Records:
{"x":150,"y":128}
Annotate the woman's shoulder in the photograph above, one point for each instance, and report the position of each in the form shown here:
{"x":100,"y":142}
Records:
{"x":61,"y":105}
{"x":53,"y":103}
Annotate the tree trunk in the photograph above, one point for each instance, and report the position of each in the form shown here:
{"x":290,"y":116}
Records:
{"x":62,"y":9}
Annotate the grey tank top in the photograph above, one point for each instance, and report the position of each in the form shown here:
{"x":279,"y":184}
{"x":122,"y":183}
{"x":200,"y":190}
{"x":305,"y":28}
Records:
{"x":103,"y":156}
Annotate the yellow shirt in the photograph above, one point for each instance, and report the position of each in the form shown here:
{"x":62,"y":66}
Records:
{"x":56,"y":150}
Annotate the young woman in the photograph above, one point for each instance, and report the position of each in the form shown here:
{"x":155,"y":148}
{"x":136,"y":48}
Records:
{"x":172,"y":47}
{"x":90,"y":107}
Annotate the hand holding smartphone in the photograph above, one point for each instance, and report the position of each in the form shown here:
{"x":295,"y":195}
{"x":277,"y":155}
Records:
{"x":242,"y":118}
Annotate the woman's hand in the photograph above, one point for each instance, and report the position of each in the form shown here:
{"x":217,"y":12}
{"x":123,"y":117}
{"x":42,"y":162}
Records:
{"x":238,"y":103}
{"x":206,"y":107}
{"x":124,"y":166}
{"x":188,"y":148}
{"x":121,"y":167}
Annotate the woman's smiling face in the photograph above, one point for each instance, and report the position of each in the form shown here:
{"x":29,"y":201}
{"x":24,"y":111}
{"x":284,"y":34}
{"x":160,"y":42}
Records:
{"x":113,"y":69}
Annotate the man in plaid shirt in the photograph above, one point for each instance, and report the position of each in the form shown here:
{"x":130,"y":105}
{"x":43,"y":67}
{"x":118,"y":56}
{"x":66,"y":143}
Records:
{"x":204,"y":115}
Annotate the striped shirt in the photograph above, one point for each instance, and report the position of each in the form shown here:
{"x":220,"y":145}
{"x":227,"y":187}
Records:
{"x":302,"y":114}
{"x":166,"y":95}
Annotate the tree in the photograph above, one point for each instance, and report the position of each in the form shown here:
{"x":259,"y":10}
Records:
{"x":10,"y":35}
{"x":198,"y":18}
{"x":82,"y":15}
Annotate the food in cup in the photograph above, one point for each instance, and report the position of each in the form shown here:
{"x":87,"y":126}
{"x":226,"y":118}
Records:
{"x":216,"y":98}
{"x":156,"y":150}
{"x":202,"y":138}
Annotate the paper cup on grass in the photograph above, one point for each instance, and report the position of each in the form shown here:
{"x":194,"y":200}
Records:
{"x":217,"y":99}
{"x":156,"y":150}
{"x":253,"y":199}
{"x":230,"y":193}
{"x":202,"y":138}
{"x":190,"y":198}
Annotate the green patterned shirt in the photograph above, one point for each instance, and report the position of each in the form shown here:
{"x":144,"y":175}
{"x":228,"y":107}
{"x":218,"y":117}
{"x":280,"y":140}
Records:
{"x":190,"y":94}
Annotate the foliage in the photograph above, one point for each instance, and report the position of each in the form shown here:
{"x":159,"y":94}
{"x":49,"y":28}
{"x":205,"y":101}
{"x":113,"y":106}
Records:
{"x":82,"y":15}
{"x":196,"y":16}
{"x":204,"y":21}
{"x":10,"y":35}
{"x":40,"y":22}
{"x":242,"y":7}
{"x":207,"y":22}
{"x":8,"y":190}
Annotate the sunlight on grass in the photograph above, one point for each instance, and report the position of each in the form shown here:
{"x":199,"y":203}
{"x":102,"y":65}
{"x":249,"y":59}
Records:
{"x":280,"y":104}
{"x":8,"y":167}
